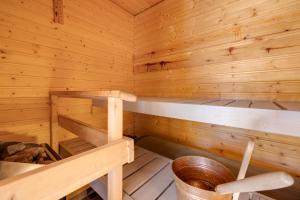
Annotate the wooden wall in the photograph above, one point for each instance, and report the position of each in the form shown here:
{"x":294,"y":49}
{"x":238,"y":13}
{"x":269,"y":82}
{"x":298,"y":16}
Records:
{"x":188,"y":48}
{"x":220,"y":49}
{"x":92,"y":50}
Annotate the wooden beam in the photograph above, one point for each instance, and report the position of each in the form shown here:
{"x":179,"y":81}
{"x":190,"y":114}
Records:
{"x":58,"y":16}
{"x":55,"y":180}
{"x":115,"y":131}
{"x":84,"y":131}
{"x":95,"y":94}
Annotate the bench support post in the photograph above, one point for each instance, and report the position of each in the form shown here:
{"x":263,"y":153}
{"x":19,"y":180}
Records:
{"x":115,"y":132}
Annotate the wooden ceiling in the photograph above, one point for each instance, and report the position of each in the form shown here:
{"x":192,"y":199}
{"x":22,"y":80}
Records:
{"x":136,"y":6}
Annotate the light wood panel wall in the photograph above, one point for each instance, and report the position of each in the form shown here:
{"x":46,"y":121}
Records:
{"x":92,"y":50}
{"x":136,"y":6}
{"x":220,"y":49}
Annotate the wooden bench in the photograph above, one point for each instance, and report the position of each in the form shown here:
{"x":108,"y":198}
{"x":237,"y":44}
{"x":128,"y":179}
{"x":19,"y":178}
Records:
{"x":149,"y":177}
{"x":60,"y":178}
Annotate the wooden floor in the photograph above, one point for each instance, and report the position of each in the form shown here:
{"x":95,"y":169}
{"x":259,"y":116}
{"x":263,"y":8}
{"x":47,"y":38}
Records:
{"x":149,"y":177}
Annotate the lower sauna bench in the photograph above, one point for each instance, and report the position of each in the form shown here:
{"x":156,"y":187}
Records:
{"x":149,"y":177}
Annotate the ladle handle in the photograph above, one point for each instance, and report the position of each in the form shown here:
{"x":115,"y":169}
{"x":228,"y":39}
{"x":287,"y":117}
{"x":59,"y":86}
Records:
{"x":244,"y":166}
{"x":268,"y":181}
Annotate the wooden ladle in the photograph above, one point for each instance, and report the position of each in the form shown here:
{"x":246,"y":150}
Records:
{"x":268,"y":181}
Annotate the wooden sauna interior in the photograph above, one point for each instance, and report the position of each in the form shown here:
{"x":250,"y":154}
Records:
{"x":224,"y":51}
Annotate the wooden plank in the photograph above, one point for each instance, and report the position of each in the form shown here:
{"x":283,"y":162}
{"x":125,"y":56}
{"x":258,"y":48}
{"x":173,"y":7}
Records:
{"x":200,"y":101}
{"x":170,"y":193}
{"x":81,"y":148}
{"x":77,"y":145}
{"x":136,"y":180}
{"x":294,"y":106}
{"x":222,"y":102}
{"x":95,"y":94}
{"x":71,"y":145}
{"x":138,"y":151}
{"x":127,"y":197}
{"x":10,"y":169}
{"x":258,"y":196}
{"x":240,"y":103}
{"x":58,"y":11}
{"x":179,"y":100}
{"x":264,"y":105}
{"x":100,"y":186}
{"x":155,"y":186}
{"x":270,"y":120}
{"x":84,"y":131}
{"x":8,"y":136}
{"x":138,"y":163}
{"x":65,"y":176}
{"x":82,"y":192}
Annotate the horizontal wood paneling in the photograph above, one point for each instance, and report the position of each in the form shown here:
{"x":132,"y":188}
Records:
{"x":220,"y":49}
{"x":92,"y":50}
{"x":276,"y":152}
{"x":230,"y":42}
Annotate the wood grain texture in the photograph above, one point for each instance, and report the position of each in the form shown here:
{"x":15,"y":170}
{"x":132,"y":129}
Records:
{"x":225,"y":49}
{"x":136,"y":7}
{"x":90,"y":134}
{"x":275,"y":152}
{"x":92,"y":50}
{"x":238,"y":50}
{"x":263,"y":116}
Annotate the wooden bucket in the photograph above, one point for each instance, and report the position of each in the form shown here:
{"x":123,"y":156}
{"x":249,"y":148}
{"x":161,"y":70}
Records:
{"x":196,"y":178}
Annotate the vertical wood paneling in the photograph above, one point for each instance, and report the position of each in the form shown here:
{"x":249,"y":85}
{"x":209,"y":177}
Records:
{"x":92,"y":50}
{"x":220,"y":49}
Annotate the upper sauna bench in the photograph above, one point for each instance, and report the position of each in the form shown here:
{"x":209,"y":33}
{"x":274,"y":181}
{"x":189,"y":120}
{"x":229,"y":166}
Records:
{"x":266,"y":116}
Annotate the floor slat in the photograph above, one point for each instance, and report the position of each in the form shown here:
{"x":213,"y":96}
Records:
{"x":138,"y":151}
{"x":141,"y":161}
{"x":136,"y":180}
{"x":169,"y":194}
{"x":154,"y":187}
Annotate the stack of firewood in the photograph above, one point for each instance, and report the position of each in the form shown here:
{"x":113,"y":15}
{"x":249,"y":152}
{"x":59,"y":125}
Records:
{"x":24,"y":152}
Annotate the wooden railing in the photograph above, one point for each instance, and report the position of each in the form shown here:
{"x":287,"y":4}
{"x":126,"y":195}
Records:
{"x":58,"y":179}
